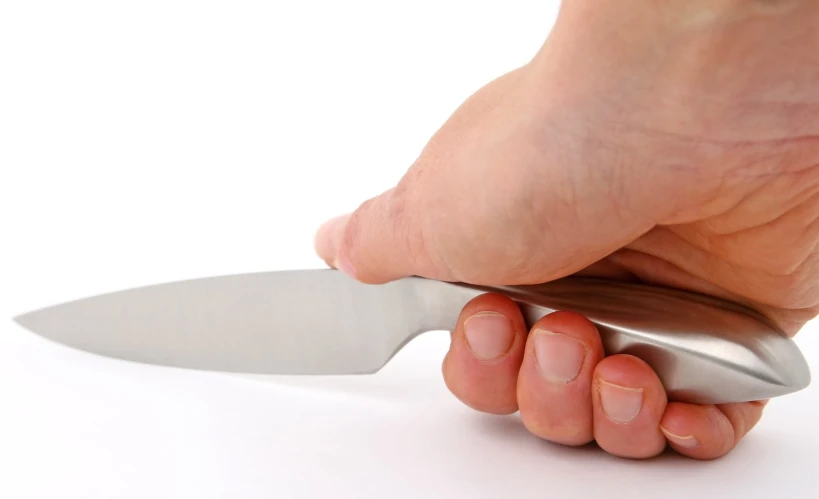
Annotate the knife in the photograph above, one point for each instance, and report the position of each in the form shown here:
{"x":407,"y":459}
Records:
{"x":321,"y":322}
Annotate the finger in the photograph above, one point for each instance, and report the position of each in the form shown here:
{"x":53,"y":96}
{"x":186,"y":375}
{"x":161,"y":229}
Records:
{"x":379,"y":242}
{"x":402,"y":231}
{"x":743,"y":416}
{"x":629,"y":402}
{"x":555,"y":383}
{"x":708,"y":431}
{"x":481,"y":367}
{"x":490,"y":200}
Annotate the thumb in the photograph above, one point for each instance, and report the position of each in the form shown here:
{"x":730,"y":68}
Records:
{"x":378,"y":242}
{"x":427,"y":224}
{"x":481,"y":229}
{"x":492,"y":199}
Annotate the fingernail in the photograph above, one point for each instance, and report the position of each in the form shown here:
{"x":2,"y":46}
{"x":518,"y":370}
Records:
{"x":559,"y":357}
{"x":489,"y":334}
{"x":621,"y":404}
{"x":327,"y":236}
{"x":329,"y":241}
{"x":687,"y":441}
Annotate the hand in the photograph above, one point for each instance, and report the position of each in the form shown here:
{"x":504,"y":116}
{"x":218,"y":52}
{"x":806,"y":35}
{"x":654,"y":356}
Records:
{"x":675,"y":143}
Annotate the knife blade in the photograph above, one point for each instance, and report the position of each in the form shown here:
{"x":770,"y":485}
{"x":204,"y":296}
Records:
{"x":321,"y":322}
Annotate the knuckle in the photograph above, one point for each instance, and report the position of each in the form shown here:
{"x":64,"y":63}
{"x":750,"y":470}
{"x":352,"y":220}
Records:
{"x":724,"y":431}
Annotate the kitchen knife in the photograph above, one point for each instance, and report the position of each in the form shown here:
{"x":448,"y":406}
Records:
{"x":322,"y":322}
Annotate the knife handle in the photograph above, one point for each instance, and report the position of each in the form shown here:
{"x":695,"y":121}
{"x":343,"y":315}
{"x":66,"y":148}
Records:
{"x":704,"y":350}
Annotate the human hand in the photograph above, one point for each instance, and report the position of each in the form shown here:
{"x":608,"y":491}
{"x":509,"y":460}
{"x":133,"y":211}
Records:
{"x":675,"y":144}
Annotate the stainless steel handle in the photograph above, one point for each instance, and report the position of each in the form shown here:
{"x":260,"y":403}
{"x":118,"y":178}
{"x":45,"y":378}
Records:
{"x":703,"y":349}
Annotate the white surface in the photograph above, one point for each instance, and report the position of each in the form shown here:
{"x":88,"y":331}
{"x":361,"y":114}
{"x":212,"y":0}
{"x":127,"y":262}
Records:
{"x":159,"y":140}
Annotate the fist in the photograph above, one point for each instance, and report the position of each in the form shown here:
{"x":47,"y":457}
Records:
{"x":671,"y":143}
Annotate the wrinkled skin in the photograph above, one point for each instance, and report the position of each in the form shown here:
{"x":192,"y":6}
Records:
{"x":674,"y":143}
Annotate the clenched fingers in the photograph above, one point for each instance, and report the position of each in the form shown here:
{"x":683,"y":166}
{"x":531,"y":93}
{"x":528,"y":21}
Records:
{"x":568,"y":392}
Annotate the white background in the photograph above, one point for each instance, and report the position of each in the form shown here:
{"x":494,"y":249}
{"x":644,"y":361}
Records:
{"x":151,"y":141}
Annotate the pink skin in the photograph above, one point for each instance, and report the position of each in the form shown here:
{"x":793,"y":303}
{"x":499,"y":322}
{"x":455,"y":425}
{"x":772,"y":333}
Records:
{"x":674,"y":143}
